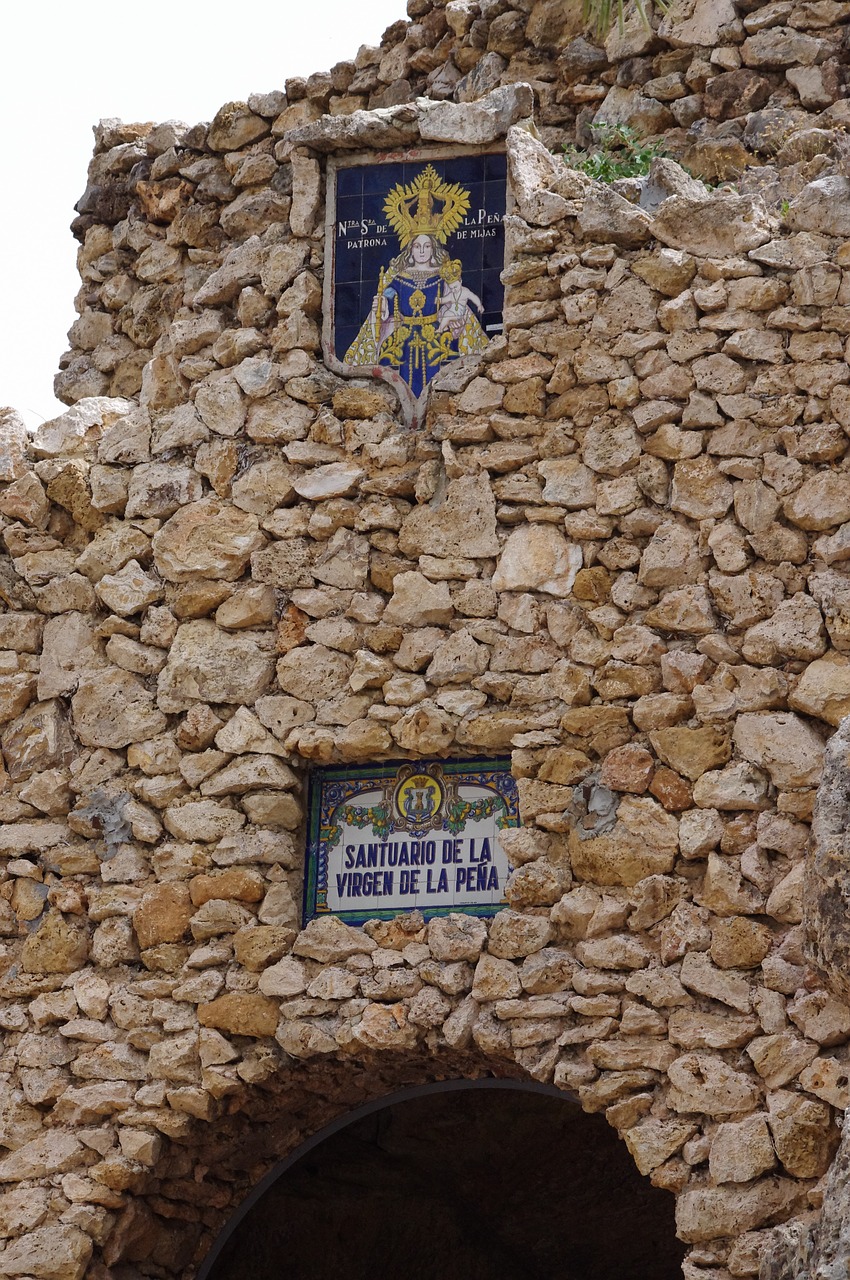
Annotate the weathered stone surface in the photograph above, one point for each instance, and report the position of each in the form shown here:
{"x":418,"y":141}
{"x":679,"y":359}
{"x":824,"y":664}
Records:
{"x":76,"y":430}
{"x":475,"y":123}
{"x":417,"y":602}
{"x":206,"y":664}
{"x":704,"y":1082}
{"x":113,"y":708}
{"x":314,"y":673}
{"x":706,"y":1213}
{"x":827,"y":884}
{"x":333,"y":480}
{"x":696,"y":22}
{"x":803,"y":1133}
{"x":782,"y":744}
{"x":537,"y":558}
{"x":49,"y":1253}
{"x":718,"y":225}
{"x":822,"y":207}
{"x":163,"y":915}
{"x":741,"y":1150}
{"x":456,"y":937}
{"x":654,"y":1141}
{"x":534,"y":177}
{"x":462,"y":523}
{"x":240,"y":1013}
{"x":607,"y":217}
{"x":206,"y":539}
{"x":38,"y":739}
{"x":616,"y":546}
{"x":331,"y":940}
{"x":129,"y":590}
{"x":823,"y":689}
{"x":234,"y":126}
{"x":60,"y":944}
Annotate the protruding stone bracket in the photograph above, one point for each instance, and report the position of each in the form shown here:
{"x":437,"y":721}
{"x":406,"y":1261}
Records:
{"x":412,"y":123}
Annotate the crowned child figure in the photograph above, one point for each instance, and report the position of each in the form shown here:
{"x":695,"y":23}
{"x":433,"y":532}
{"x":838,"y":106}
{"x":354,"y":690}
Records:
{"x":421,"y":316}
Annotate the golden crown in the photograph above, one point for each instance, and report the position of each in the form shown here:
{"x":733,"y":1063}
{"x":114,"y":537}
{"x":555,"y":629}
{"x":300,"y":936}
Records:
{"x":412,"y":210}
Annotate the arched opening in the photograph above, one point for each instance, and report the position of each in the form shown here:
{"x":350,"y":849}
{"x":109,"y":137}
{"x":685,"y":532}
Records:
{"x":469,"y":1180}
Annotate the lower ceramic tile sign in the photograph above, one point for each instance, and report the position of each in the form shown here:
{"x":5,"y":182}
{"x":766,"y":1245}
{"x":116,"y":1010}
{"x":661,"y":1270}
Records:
{"x":414,"y":835}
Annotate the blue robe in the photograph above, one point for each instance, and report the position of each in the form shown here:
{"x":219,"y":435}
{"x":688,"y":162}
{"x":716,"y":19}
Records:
{"x":410,"y":340}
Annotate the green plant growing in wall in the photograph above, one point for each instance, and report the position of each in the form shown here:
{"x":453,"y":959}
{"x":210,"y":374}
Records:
{"x":619,"y":153}
{"x":600,"y":14}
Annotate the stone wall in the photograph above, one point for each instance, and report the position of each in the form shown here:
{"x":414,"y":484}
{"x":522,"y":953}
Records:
{"x":617,"y":551}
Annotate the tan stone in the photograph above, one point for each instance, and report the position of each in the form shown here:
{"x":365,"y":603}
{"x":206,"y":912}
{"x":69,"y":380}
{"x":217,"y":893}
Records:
{"x":653,"y":1141}
{"x":828,"y":1079}
{"x":741,"y":1150}
{"x":59,"y":945}
{"x":417,"y":602}
{"x":302,"y":1039}
{"x":37,"y":740}
{"x":671,"y":558}
{"x":568,"y":483}
{"x":618,"y":858}
{"x":787,"y":747}
{"x":795,"y":630}
{"x":823,"y":689}
{"x":714,"y":225}
{"x":259,"y":945}
{"x":691,"y":751}
{"x":687,"y":610}
{"x":385,"y":1027}
{"x":202,"y":820}
{"x":163,"y":915}
{"x":462,"y":524}
{"x":821,"y":1017}
{"x":627,"y":768}
{"x":803,"y":1133}
{"x":313,"y":673}
{"x":693,"y":1029}
{"x":495,"y":979}
{"x":113,"y":708}
{"x":707,"y":1213}
{"x":631,"y":1053}
{"x":249,"y":773}
{"x":57,"y":1252}
{"x":725,"y":891}
{"x":17,"y":691}
{"x":286,"y":978}
{"x":821,"y":502}
{"x":699,"y":490}
{"x":780,"y":1058}
{"x":700,"y":975}
{"x":426,"y":729}
{"x":513,"y":936}
{"x":456,"y":937}
{"x":129,"y":590}
{"x":206,"y":664}
{"x":739,"y":942}
{"x":537,"y":558}
{"x":704,"y":1082}
{"x":329,"y":940}
{"x":240,"y":1013}
{"x":620,"y":951}
{"x":738,"y":786}
{"x":206,"y":539}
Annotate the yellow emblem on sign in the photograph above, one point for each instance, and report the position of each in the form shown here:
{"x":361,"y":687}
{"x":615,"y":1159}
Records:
{"x":418,"y":799}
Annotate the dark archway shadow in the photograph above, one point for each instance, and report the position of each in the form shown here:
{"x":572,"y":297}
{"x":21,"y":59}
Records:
{"x":463,"y":1180}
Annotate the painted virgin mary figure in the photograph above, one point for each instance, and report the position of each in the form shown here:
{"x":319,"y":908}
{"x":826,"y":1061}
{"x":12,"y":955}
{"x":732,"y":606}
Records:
{"x":422,"y":316}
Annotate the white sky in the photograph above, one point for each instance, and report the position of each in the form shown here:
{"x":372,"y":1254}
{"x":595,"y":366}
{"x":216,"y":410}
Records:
{"x":69,"y":64}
